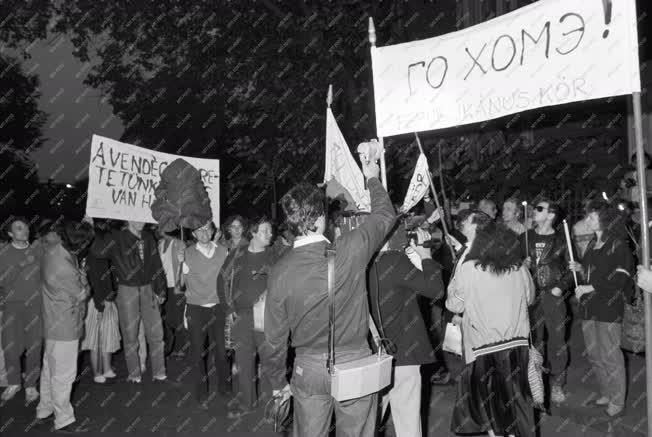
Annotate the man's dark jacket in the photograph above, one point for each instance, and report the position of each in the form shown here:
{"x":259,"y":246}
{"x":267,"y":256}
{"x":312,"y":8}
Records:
{"x":396,"y":283}
{"x":552,"y":269}
{"x":121,"y":247}
{"x":297,"y":298}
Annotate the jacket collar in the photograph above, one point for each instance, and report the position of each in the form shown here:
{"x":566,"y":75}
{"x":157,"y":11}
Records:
{"x":310,"y":239}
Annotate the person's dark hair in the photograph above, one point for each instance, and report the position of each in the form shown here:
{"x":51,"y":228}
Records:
{"x":478,"y":218}
{"x":612,"y":221}
{"x":496,"y":249}
{"x":229,"y":221}
{"x":302,"y":206}
{"x":75,"y":237}
{"x":553,"y":207}
{"x":255,"y":224}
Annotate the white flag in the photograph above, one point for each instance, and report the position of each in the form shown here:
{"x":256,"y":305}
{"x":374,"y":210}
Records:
{"x":341,"y":165}
{"x":418,"y":185}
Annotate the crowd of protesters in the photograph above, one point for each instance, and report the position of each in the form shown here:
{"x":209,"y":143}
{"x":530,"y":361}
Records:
{"x":246,"y":307}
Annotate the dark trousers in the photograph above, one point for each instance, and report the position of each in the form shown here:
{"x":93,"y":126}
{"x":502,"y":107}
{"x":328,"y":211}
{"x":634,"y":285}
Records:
{"x":176,"y":338}
{"x":548,"y":321}
{"x":207,"y":324}
{"x":314,"y":405}
{"x":247,"y":344}
{"x":22,"y":333}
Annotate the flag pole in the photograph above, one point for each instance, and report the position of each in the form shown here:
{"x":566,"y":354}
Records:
{"x":645,"y":245}
{"x":434,"y":196}
{"x":381,"y":140}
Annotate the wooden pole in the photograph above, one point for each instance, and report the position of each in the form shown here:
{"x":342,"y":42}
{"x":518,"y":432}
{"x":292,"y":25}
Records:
{"x":441,"y":186}
{"x":383,"y":168}
{"x":436,"y":198}
{"x":645,"y":246}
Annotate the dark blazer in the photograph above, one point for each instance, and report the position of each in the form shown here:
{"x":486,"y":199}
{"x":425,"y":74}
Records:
{"x":297,"y":298}
{"x":396,"y":284}
{"x":121,"y":248}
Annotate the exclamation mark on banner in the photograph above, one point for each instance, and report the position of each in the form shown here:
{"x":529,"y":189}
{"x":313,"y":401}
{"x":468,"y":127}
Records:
{"x":607,"y":16}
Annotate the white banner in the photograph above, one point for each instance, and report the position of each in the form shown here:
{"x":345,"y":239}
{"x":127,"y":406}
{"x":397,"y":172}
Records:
{"x":122,"y":179}
{"x":548,"y":53}
{"x":342,"y":166}
{"x":418,"y":184}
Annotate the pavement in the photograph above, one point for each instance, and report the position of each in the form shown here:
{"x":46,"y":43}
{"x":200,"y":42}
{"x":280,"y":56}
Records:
{"x":170,"y":409}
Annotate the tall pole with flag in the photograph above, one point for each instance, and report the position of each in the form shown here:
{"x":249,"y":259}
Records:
{"x":381,"y":140}
{"x":342,"y":175}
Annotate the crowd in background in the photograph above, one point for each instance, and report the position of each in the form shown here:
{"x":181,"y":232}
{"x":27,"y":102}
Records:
{"x":102,"y":286}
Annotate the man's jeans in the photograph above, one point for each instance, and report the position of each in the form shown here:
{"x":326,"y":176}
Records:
{"x":57,"y":376}
{"x":549,"y":314}
{"x":602,"y":341}
{"x":22,"y":331}
{"x":134,"y":303}
{"x":314,"y":405}
{"x":247,"y":344}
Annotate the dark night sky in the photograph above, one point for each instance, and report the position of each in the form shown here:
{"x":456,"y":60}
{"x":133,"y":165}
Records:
{"x":76,"y":112}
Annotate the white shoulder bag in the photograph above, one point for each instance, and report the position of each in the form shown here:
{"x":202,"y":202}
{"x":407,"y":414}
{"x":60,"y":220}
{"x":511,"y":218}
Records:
{"x":361,"y":377}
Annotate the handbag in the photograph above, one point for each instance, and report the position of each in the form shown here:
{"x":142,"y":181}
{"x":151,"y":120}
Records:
{"x":453,"y":339}
{"x":363,"y":376}
{"x":633,"y":333}
{"x":535,"y":377}
{"x":279,"y":412}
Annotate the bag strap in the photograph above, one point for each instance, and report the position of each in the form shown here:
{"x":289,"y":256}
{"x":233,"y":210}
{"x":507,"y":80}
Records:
{"x":330,"y":253}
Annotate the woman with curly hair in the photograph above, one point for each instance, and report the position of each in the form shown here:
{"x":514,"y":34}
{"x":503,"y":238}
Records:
{"x":234,"y":233}
{"x":493,"y":289}
{"x":606,"y":269}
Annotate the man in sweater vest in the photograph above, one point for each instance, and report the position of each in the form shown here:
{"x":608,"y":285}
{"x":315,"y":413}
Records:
{"x":205,"y":311}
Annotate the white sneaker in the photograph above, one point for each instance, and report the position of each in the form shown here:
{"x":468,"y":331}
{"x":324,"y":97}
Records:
{"x":109,"y":374}
{"x":135,"y":380}
{"x":9,"y":392}
{"x":31,"y":395}
{"x":557,"y":394}
{"x":602,"y":401}
{"x":100,"y":379}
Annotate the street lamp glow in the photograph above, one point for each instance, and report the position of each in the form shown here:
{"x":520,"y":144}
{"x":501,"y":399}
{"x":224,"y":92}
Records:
{"x":68,"y":186}
{"x":604,"y":196}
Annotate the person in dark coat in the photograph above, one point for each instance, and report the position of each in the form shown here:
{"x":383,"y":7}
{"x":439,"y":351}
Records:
{"x":297,"y":306}
{"x":395,"y":282}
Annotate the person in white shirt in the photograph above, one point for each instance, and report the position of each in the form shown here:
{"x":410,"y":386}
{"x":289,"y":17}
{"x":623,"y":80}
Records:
{"x":205,"y":310}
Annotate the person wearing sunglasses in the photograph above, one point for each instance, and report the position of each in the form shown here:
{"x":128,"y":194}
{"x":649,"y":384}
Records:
{"x":547,"y":259}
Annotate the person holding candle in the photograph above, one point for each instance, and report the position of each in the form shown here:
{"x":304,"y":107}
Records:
{"x":606,"y":272}
{"x":547,"y":258}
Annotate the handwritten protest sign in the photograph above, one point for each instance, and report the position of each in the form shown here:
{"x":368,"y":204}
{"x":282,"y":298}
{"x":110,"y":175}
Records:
{"x":122,"y":179}
{"x":548,"y":53}
{"x":418,"y":184}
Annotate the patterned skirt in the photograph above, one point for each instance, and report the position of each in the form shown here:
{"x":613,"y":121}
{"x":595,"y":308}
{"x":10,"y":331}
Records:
{"x":103,"y":325}
{"x":493,"y":393}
